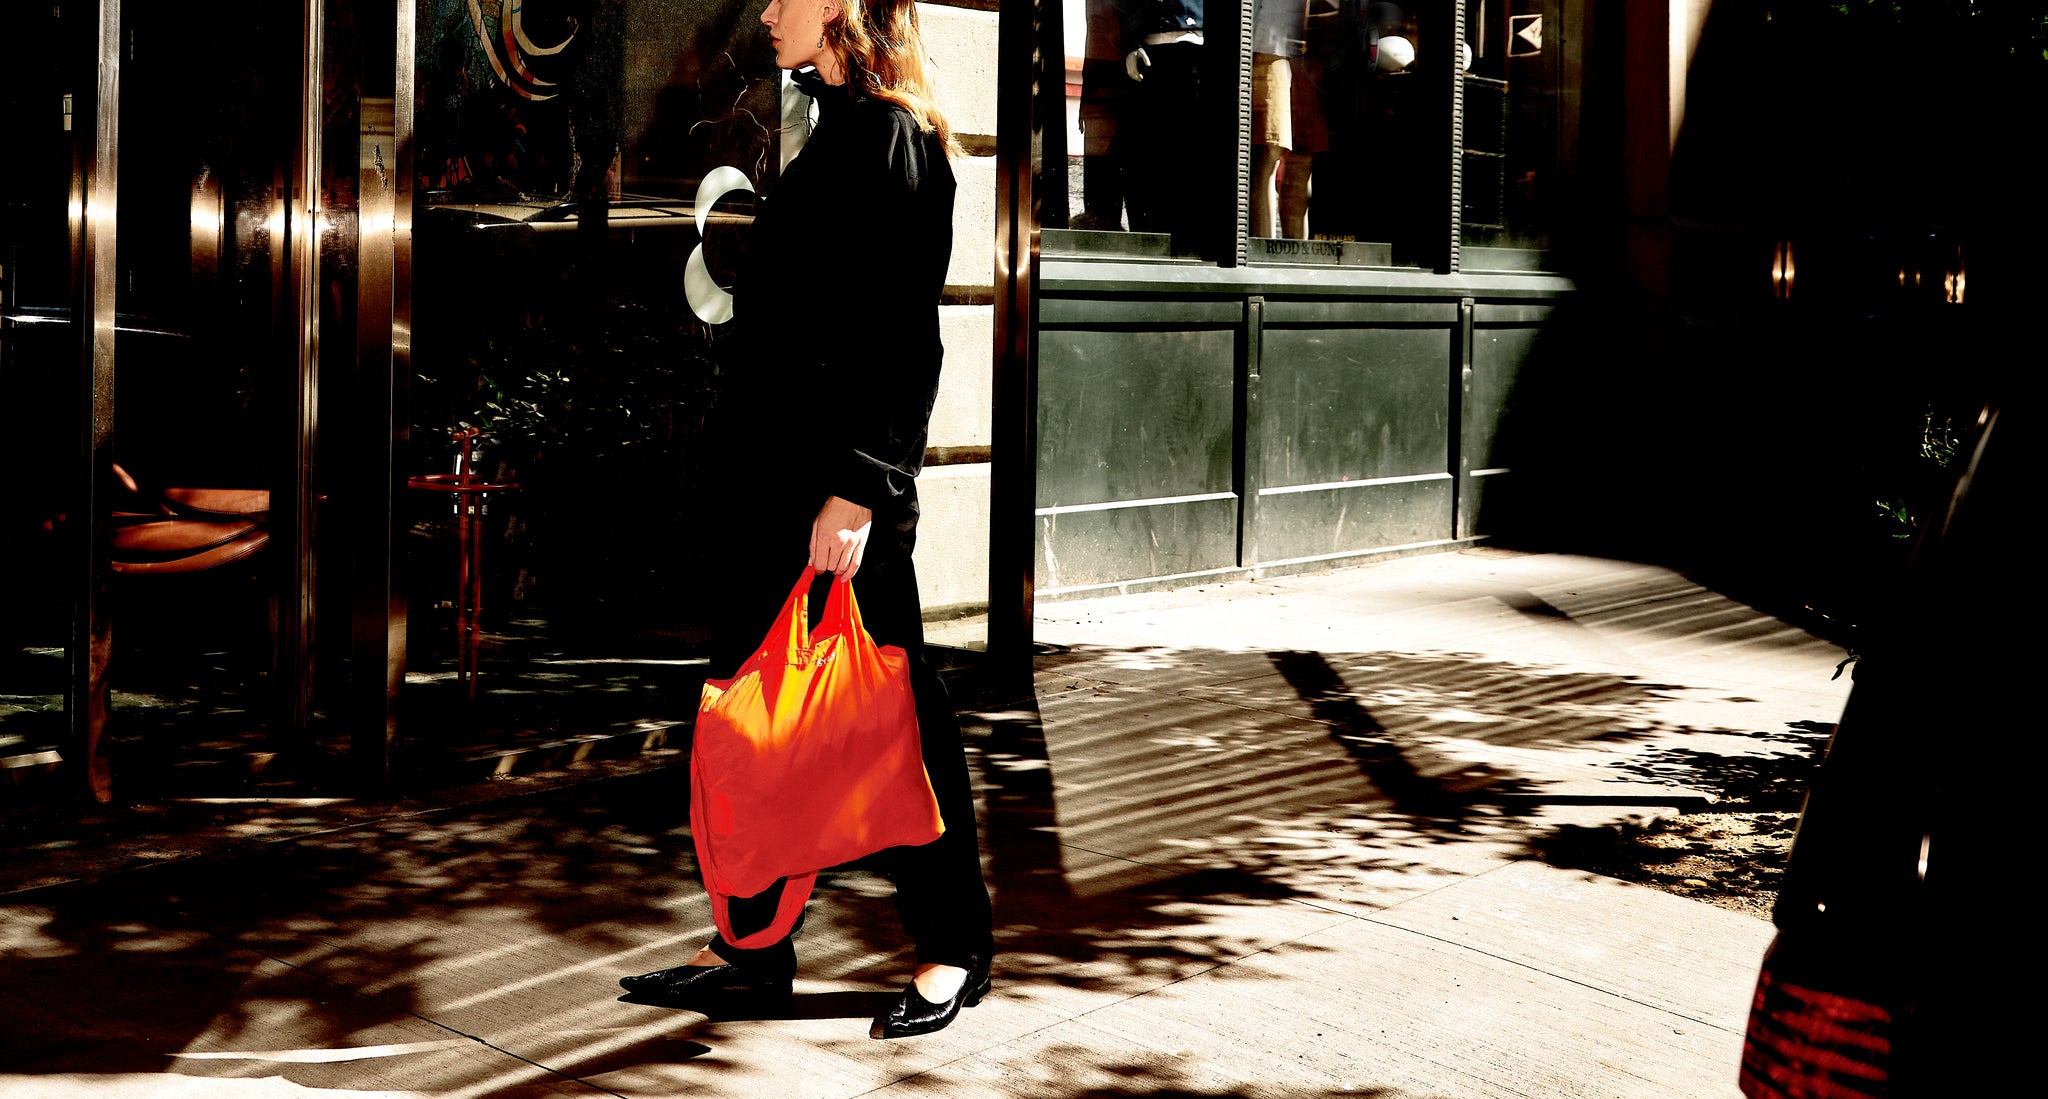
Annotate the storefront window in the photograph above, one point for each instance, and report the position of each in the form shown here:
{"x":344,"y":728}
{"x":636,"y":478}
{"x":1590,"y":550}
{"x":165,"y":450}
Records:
{"x":1350,"y":126}
{"x":1345,"y":137}
{"x":1510,"y":156}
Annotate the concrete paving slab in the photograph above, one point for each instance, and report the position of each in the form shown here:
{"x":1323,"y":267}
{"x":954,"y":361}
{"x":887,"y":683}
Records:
{"x":679,"y":1052}
{"x":1693,"y":960}
{"x":1534,"y":608}
{"x":1360,"y":1008}
{"x":1465,"y":726}
{"x":1575,"y":677}
{"x":1361,"y":859}
{"x":1369,"y":1007}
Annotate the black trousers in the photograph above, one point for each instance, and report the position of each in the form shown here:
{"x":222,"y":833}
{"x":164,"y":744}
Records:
{"x":940,"y":896}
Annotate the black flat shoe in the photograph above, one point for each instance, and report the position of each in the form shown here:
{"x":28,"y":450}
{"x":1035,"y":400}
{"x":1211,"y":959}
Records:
{"x":696,"y":983}
{"x":912,"y":1014}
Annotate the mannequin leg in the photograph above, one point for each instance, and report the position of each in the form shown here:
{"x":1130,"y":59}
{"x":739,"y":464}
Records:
{"x":1264,"y":208}
{"x":1293,"y":189}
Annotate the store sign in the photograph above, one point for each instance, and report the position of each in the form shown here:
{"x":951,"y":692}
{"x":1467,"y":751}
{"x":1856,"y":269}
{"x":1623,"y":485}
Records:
{"x":1343,"y":253}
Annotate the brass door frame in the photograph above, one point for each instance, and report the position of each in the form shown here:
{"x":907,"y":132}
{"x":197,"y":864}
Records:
{"x":94,"y":177}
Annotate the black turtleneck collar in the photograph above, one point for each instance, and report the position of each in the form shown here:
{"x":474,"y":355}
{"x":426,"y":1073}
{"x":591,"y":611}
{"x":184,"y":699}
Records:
{"x":812,"y":84}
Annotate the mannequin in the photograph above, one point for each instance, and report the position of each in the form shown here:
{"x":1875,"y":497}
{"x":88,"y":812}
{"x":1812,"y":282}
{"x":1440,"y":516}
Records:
{"x":1287,"y":118}
{"x":1172,"y":149}
{"x":1105,"y":93}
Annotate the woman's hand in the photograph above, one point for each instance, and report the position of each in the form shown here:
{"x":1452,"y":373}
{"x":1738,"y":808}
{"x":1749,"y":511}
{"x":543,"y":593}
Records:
{"x":839,"y":537}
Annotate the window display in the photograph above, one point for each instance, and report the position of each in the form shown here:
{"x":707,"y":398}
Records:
{"x":1347,"y":133}
{"x":1153,"y":116}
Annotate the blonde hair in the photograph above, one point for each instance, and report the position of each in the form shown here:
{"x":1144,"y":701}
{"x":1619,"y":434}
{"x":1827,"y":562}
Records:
{"x":885,"y":57}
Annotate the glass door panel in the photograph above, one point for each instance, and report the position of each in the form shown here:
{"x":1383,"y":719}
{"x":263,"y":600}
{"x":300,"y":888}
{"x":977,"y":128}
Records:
{"x":203,"y":421}
{"x":584,"y":178}
{"x":40,"y":97}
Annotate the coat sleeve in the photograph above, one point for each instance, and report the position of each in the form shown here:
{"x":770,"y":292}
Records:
{"x":900,"y":240}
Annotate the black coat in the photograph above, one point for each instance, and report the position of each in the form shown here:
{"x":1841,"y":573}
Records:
{"x":831,"y":391}
{"x":830,"y":371}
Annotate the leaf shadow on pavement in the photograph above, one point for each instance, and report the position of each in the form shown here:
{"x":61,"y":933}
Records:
{"x":1731,"y":853}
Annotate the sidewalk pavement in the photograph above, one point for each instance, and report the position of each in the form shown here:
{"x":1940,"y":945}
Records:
{"x":1257,"y":839}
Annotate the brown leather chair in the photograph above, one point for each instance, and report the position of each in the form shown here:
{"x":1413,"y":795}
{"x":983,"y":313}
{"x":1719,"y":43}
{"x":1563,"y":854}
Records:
{"x":187,"y":529}
{"x":167,"y":531}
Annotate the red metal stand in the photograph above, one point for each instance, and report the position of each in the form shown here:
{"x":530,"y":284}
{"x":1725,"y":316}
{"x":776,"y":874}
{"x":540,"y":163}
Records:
{"x":469,"y":495}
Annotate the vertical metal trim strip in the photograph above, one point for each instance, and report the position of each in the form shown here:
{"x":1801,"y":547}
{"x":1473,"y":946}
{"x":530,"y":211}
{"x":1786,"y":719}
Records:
{"x":1023,"y":31}
{"x":1239,"y":251}
{"x":1250,"y":450}
{"x":296,"y":654}
{"x":376,"y":665}
{"x":403,"y":90}
{"x":1450,"y":58}
{"x":95,"y":183}
{"x":397,"y":620}
{"x":1461,"y":424}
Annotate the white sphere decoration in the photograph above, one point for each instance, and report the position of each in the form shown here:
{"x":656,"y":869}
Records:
{"x":1396,"y":53}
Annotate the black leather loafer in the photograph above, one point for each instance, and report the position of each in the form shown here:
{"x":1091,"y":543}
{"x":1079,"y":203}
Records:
{"x":695,"y":983}
{"x":912,"y":1014}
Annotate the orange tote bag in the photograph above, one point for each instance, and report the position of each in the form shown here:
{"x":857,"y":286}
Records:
{"x":807,"y":758}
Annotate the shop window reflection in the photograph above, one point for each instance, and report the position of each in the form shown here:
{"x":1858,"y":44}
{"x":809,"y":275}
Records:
{"x":587,"y":174}
{"x":1510,"y":161}
{"x":1366,"y":186}
{"x":179,"y":628}
{"x":200,"y":407}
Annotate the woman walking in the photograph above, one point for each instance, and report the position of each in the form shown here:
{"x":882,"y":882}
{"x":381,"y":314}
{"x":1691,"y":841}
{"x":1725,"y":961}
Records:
{"x":816,"y":444}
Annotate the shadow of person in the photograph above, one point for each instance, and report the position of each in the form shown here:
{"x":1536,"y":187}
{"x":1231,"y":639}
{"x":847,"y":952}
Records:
{"x":1381,"y":760}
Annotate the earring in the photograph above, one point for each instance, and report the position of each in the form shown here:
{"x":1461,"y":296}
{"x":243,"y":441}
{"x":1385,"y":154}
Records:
{"x":821,"y":40}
